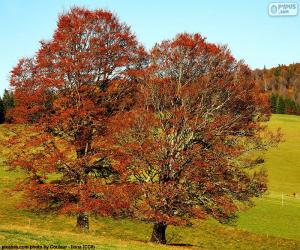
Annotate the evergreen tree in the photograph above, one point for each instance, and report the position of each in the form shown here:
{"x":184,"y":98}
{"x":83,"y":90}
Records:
{"x":277,"y":71}
{"x":8,"y":99}
{"x":280,"y":107}
{"x":8,"y":103}
{"x":2,"y":112}
{"x":264,"y":79}
{"x":290,"y":106}
{"x":273,"y":102}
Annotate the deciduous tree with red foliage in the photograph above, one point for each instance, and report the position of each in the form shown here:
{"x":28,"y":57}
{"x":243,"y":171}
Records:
{"x":67,"y":93}
{"x":188,"y":143}
{"x":164,"y":137}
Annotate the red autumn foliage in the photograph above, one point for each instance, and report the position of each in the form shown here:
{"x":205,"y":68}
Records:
{"x":186,"y":143}
{"x":79,"y":79}
{"x":164,"y":137}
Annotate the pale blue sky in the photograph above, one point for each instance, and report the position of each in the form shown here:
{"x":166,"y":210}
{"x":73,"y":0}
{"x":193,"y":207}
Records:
{"x":245,"y":26}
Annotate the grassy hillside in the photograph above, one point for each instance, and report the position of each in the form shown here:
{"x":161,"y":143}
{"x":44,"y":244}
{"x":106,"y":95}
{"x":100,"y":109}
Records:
{"x":272,"y":214}
{"x":269,"y":225}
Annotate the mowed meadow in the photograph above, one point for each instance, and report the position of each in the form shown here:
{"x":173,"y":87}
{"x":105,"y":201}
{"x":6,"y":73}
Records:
{"x":274,"y":223}
{"x":278,"y":212}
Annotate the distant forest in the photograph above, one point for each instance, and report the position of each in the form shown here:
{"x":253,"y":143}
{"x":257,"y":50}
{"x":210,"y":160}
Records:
{"x":282,"y":83}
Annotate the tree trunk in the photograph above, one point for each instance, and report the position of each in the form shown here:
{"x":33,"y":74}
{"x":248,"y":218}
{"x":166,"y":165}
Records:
{"x":83,"y":222}
{"x":159,"y":233}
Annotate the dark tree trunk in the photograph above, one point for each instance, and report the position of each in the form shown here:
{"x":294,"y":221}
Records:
{"x":159,"y":233}
{"x":83,"y":138}
{"x":80,"y":152}
{"x":83,"y":222}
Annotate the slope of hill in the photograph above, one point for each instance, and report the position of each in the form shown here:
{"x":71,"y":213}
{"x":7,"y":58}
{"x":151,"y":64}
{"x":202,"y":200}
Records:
{"x":278,"y":212}
{"x":271,"y":224}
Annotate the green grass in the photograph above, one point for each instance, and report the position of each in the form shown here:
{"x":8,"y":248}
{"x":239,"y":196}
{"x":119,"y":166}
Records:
{"x":268,"y":225}
{"x":283,"y":162}
{"x":269,"y":216}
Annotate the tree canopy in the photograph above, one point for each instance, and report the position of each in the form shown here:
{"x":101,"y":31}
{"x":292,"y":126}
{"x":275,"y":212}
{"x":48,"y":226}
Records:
{"x":77,"y":80}
{"x":164,"y":136}
{"x":187,"y":142}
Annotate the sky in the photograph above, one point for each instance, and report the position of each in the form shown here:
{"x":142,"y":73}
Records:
{"x":245,"y":26}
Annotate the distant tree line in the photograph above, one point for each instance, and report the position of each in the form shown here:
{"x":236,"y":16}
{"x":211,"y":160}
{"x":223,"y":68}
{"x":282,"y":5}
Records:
{"x":6,"y":103}
{"x":282,"y":83}
{"x":283,"y":105}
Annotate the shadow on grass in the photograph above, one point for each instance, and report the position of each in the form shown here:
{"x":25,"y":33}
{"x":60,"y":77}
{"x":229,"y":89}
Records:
{"x":180,"y":245}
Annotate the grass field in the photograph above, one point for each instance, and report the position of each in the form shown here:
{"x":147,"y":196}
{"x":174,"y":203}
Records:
{"x":270,"y":216}
{"x":269,"y":225}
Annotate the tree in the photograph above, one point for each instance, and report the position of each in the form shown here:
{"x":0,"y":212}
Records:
{"x":76,"y":82}
{"x":8,"y":103}
{"x":273,"y":102}
{"x":280,"y":106}
{"x":283,"y":105}
{"x":8,"y":99}
{"x":2,"y":111}
{"x":186,"y":143}
{"x":277,"y":71}
{"x":289,"y":74}
{"x":264,"y":79}
{"x":290,"y":106}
